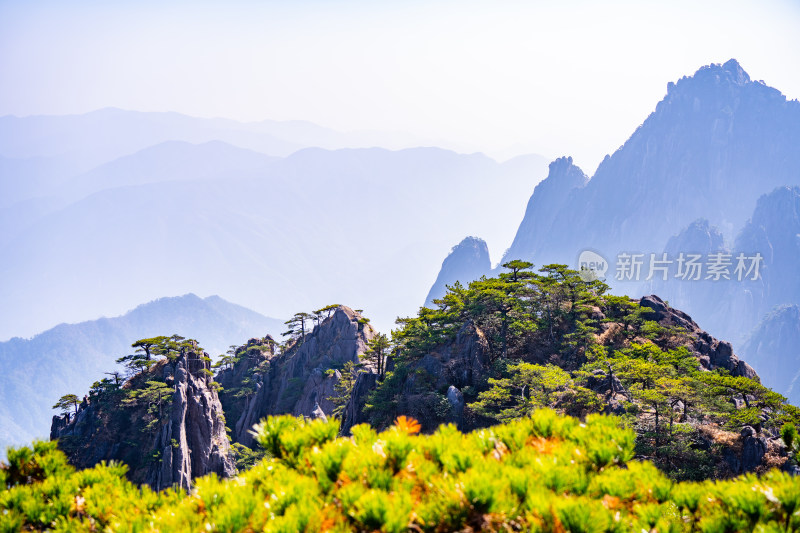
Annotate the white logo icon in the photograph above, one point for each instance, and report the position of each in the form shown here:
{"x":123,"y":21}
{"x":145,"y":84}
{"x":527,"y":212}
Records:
{"x":591,"y":266}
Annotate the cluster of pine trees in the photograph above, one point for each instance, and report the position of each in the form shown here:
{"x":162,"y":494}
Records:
{"x":540,"y":456}
{"x":552,"y":336}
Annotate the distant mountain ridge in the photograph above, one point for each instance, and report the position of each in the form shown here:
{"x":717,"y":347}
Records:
{"x":714,"y":168}
{"x":316,"y":227}
{"x":713,"y":145}
{"x":35,"y":372}
{"x":774,"y":351}
{"x":467,"y":261}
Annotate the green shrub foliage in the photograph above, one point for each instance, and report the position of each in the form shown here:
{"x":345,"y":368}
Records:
{"x":544,"y":472}
{"x":555,"y":340}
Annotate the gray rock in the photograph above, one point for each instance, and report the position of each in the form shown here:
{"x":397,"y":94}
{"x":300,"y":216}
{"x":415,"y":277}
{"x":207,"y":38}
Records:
{"x":194,"y":442}
{"x":353,"y":411}
{"x":318,"y":413}
{"x":297,"y":381}
{"x":467,"y":261}
{"x":600,"y":382}
{"x":461,"y":362}
{"x":754,"y":448}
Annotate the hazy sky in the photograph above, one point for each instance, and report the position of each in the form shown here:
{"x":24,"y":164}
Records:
{"x":566,"y":77}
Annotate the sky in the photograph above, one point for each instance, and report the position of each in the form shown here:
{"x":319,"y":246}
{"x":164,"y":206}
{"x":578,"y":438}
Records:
{"x":556,"y":78}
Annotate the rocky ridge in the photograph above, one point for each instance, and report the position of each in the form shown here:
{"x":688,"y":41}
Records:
{"x":301,"y":381}
{"x":189,"y":442}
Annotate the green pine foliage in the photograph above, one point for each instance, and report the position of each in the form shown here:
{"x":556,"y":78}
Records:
{"x":544,"y":472}
{"x":343,"y":389}
{"x":552,"y":337}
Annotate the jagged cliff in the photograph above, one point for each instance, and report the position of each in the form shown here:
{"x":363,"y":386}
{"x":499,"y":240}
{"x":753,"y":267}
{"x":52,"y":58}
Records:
{"x":437,"y":382}
{"x":299,"y":381}
{"x":712,"y":353}
{"x":186,"y":440}
{"x":548,"y":199}
{"x":467,"y":261}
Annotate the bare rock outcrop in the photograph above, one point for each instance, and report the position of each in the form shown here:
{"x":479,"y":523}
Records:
{"x":354,"y":410}
{"x":189,"y":439}
{"x":193,"y":442}
{"x":303,"y":378}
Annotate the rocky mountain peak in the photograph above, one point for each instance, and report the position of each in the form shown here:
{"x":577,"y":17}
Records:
{"x":467,"y":261}
{"x":548,"y":199}
{"x":302,"y":379}
{"x":774,"y":350}
{"x":563,"y":169}
{"x":166,"y":423}
{"x":729,"y":74}
{"x":698,"y":237}
{"x":736,"y":72}
{"x":778,"y":209}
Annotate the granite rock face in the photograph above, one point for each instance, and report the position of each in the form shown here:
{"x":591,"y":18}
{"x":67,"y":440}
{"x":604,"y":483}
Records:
{"x":732,"y":308}
{"x":461,"y":362}
{"x":190,"y":442}
{"x":303,"y":378}
{"x":715,"y":143}
{"x":467,"y":261}
{"x":549,"y":198}
{"x":193,"y":442}
{"x":354,"y":410}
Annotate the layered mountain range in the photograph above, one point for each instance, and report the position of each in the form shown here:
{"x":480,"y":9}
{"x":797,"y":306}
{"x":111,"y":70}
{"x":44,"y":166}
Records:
{"x":714,"y":169}
{"x":100,"y":212}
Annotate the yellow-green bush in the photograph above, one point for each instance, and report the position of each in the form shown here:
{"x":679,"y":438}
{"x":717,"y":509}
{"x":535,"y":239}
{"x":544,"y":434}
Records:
{"x":542,"y":473}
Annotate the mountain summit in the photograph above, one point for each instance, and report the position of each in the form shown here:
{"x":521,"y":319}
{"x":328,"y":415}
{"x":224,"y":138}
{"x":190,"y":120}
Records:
{"x":713,"y":145}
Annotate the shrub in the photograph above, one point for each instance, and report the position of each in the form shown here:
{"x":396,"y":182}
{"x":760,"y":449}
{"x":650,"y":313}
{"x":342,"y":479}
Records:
{"x":544,"y":472}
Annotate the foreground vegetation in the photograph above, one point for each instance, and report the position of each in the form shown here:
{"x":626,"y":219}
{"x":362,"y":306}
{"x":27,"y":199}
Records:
{"x":545,"y":472}
{"x":552,"y":338}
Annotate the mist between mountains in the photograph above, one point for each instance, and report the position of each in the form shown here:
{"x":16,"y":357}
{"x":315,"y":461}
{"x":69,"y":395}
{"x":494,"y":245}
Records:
{"x":681,"y":266}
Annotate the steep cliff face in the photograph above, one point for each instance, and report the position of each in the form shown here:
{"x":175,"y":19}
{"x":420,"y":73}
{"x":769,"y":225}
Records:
{"x":193,"y":442}
{"x":301,"y":380}
{"x":713,"y":145}
{"x":549,"y":198}
{"x":166,"y":438}
{"x":463,"y":362}
{"x":733,"y":308}
{"x":774,"y":350}
{"x":242,"y":373}
{"x":774,"y":232}
{"x":467,"y":261}
{"x":699,"y":298}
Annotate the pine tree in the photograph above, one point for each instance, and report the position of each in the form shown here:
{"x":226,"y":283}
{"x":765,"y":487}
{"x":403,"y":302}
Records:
{"x":377,"y":350}
{"x":67,"y":402}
